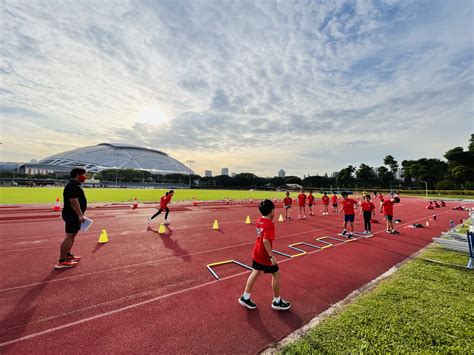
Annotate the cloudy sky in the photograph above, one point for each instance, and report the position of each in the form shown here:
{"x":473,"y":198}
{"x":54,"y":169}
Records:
{"x":253,"y":85}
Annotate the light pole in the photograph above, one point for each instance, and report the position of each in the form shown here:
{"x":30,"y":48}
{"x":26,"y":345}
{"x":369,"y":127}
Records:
{"x":426,"y":187}
{"x":190,"y":171}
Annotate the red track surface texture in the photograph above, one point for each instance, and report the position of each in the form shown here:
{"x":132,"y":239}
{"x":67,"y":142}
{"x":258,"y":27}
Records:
{"x":143,"y":292}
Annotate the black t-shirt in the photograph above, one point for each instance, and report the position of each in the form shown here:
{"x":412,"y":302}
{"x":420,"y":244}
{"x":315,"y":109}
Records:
{"x":73,"y":189}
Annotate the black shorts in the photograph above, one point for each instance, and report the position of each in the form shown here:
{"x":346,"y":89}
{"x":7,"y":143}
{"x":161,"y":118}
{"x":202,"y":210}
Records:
{"x":334,"y":205}
{"x":388,"y":217}
{"x":265,"y":268}
{"x":73,"y":225}
{"x":310,"y":205}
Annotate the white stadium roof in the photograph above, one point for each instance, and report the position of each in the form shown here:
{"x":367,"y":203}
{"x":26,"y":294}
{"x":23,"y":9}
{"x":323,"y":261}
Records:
{"x":115,"y":155}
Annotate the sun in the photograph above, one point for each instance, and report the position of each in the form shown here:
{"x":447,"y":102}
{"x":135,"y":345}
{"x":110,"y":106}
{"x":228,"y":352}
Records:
{"x":153,"y":115}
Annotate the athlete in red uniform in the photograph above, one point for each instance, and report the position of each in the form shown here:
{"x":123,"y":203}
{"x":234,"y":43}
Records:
{"x":325,"y":200}
{"x":310,"y":202}
{"x":164,"y":201}
{"x":287,"y":201}
{"x":302,"y":204}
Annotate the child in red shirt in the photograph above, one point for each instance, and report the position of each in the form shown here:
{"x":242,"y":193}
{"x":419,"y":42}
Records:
{"x":387,"y":207}
{"x":302,"y":204}
{"x":164,"y":201}
{"x":287,"y":201}
{"x":310,"y":202}
{"x":349,"y":213}
{"x":334,"y":202}
{"x":368,"y":209}
{"x":264,"y":259}
{"x":325,"y":200}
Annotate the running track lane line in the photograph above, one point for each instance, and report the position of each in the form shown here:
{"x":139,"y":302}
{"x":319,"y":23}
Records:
{"x":153,"y":261}
{"x":122,"y":309}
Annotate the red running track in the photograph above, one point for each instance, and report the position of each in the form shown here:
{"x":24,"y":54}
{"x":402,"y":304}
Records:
{"x":143,"y":292}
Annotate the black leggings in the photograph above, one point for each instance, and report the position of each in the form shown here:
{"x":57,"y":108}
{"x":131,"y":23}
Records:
{"x":367,"y":218}
{"x":159,"y":211}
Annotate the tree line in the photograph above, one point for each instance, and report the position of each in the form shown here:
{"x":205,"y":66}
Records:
{"x":455,"y":172}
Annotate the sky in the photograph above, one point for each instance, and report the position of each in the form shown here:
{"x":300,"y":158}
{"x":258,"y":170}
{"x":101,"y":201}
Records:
{"x":255,"y":86}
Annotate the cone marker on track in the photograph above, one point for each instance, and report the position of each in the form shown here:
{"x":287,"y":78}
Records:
{"x":280,"y":219}
{"x":427,"y":223}
{"x":247,"y":220}
{"x":57,"y":206}
{"x":103,"y":237}
{"x":216,"y":225}
{"x":162,"y":229}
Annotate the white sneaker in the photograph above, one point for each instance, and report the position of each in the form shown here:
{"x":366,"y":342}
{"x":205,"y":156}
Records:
{"x":149,"y":220}
{"x":304,"y":216}
{"x":299,"y":217}
{"x":166,"y":221}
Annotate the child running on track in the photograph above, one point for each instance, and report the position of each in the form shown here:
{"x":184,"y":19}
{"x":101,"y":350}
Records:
{"x":334,"y":202}
{"x":349,"y":213}
{"x":387,"y":207}
{"x":264,"y":260}
{"x":287,"y":201}
{"x":368,"y":209}
{"x":325,"y":200}
{"x":163,"y":207}
{"x":302,"y":204}
{"x":310,"y":202}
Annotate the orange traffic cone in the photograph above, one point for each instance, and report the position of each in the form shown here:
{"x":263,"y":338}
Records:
{"x":135,"y":203}
{"x":57,"y":206}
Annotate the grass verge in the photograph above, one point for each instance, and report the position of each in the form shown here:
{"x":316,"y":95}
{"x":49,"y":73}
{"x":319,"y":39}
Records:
{"x":424,"y":307}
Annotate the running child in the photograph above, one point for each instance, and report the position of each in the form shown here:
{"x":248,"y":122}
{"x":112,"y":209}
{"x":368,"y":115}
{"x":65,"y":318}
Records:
{"x":310,"y":202}
{"x":164,"y":201}
{"x":325,"y":200}
{"x":387,"y":207}
{"x":287,"y":202}
{"x":368,"y":209}
{"x":334,"y":202}
{"x":264,"y":260}
{"x":381,"y":197}
{"x":349,"y":213}
{"x":302,"y":204}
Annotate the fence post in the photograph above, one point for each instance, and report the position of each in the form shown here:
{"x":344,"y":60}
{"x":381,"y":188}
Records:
{"x":470,"y":242}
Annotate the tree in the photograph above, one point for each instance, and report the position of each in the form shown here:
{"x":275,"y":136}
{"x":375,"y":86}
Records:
{"x":366,"y":175}
{"x":391,"y":163}
{"x":384,"y":176}
{"x":345,"y":177}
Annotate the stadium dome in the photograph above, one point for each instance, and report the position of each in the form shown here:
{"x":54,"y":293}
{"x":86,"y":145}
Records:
{"x":112,"y":156}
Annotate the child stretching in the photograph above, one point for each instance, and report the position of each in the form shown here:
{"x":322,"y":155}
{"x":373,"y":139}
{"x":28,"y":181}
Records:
{"x":349,"y":213}
{"x":302,"y":204}
{"x":387,"y":207}
{"x":287,"y":201}
{"x":263,"y":259}
{"x":310,"y":202}
{"x":325,"y":200}
{"x":334,"y":202}
{"x":163,"y":207}
{"x":368,"y":208}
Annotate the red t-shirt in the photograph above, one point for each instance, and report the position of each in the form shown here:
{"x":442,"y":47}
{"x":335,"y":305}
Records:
{"x":381,"y":197}
{"x":287,"y":201}
{"x":265,"y":230}
{"x":348,"y":205}
{"x":387,"y":208}
{"x":164,"y":201}
{"x":310,"y":199}
{"x":326,"y":200}
{"x":301,"y":199}
{"x":334,"y":199}
{"x":367,"y":206}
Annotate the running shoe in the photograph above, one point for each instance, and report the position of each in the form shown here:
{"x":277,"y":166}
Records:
{"x":166,"y":221}
{"x":349,"y":236}
{"x":149,"y":220}
{"x":344,"y":232}
{"x":281,"y":306}
{"x":247,"y":303}
{"x":65,"y":264}
{"x":388,"y":231}
{"x":74,"y":258}
{"x":395,"y":232}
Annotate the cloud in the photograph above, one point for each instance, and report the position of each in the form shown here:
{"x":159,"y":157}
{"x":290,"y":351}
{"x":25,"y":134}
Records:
{"x":256,"y":85}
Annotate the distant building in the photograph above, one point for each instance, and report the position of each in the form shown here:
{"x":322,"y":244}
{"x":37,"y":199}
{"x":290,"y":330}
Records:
{"x":399,"y":174}
{"x":208,"y":173}
{"x":233,"y":174}
{"x":225,"y":171}
{"x":281,"y":173}
{"x":335,"y":174}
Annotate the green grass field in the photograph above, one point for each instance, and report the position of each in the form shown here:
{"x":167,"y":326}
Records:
{"x":11,"y":195}
{"x":424,"y":307}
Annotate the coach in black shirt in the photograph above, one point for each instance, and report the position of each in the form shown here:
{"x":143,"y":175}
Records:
{"x":75,"y":205}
